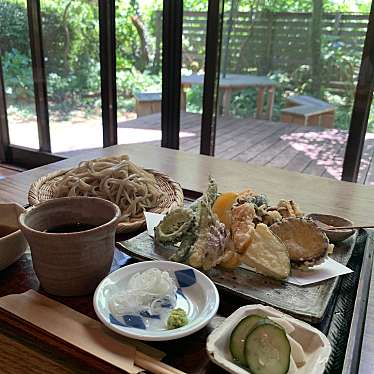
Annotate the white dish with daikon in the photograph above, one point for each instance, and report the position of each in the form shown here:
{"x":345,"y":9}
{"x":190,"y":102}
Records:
{"x":156,"y":300}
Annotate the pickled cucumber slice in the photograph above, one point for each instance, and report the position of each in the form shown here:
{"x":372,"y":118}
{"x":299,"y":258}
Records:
{"x":239,"y":336}
{"x":267,"y":349}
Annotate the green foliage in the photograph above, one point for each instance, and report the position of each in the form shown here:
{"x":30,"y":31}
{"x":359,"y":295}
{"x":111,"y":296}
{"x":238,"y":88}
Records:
{"x":18,"y":75}
{"x":131,"y":81}
{"x":126,"y":34}
{"x":70,"y":36}
{"x":341,"y":64}
{"x":13,"y":27}
{"x":278,"y":5}
{"x":195,"y":99}
{"x":71,"y":47}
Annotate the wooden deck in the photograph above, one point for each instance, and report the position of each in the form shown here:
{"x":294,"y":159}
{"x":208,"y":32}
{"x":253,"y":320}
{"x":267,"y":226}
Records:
{"x":308,"y":150}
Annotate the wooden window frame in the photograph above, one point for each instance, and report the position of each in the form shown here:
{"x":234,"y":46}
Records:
{"x":38,"y":72}
{"x":172,"y":26}
{"x":107,"y":26}
{"x":4,"y":130}
{"x":213,"y":47}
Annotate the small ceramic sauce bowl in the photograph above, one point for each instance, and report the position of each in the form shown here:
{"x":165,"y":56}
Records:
{"x":323,"y":221}
{"x":14,"y":244}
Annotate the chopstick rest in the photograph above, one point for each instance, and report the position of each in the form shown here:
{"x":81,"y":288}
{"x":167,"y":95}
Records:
{"x":83,"y":332}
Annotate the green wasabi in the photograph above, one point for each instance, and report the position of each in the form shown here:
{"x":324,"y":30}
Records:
{"x":177,"y":318}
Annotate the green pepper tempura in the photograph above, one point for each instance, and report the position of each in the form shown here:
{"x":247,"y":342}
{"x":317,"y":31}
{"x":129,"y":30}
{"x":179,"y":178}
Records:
{"x":177,"y":318}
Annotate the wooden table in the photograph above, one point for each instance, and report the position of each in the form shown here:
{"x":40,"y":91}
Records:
{"x":314,"y":194}
{"x":236,"y":82}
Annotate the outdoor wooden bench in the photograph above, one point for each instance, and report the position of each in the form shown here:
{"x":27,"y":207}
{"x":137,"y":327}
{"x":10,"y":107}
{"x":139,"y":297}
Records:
{"x":147,"y":103}
{"x":308,"y":111}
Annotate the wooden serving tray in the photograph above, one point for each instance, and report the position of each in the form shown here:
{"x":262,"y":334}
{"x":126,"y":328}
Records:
{"x":308,"y":303}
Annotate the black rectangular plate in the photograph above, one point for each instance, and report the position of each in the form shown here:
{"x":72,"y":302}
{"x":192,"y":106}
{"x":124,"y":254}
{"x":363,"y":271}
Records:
{"x":308,"y":303}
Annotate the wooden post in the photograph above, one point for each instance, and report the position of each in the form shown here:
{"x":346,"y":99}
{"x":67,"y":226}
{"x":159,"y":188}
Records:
{"x":107,"y":29}
{"x":213,"y":44}
{"x":38,"y":73}
{"x":4,"y":129}
{"x":316,"y":47}
{"x":260,"y":102}
{"x":267,"y":66}
{"x":172,"y":27}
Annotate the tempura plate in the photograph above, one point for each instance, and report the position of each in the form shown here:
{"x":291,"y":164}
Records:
{"x":308,"y":303}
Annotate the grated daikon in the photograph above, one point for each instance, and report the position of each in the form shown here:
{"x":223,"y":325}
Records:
{"x":147,"y":291}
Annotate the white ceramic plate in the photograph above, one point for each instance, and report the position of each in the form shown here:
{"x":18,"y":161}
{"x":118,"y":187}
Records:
{"x":316,"y":347}
{"x":196,"y":294}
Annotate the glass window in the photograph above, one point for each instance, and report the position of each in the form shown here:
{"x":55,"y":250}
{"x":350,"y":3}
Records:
{"x":193,"y":68}
{"x":139,"y":53}
{"x":17,"y":70}
{"x":71,"y":49}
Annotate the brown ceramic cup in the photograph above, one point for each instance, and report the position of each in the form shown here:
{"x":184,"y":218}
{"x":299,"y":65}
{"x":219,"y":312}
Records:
{"x":73,"y":263}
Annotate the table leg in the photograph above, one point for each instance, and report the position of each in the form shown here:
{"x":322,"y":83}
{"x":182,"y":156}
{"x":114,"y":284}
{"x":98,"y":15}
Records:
{"x":227,"y":92}
{"x":220,"y":102}
{"x":183,"y":99}
{"x":260,"y":102}
{"x":271,"y":95}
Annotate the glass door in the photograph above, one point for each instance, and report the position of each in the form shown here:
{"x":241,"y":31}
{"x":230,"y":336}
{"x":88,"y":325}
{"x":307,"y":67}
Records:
{"x":288,"y":77}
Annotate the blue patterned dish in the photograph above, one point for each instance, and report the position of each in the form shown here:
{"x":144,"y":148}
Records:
{"x":196,"y":294}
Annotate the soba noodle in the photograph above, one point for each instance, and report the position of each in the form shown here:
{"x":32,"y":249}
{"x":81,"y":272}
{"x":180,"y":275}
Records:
{"x":116,"y":179}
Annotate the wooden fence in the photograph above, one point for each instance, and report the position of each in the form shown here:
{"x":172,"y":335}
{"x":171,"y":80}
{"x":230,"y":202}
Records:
{"x":265,"y":42}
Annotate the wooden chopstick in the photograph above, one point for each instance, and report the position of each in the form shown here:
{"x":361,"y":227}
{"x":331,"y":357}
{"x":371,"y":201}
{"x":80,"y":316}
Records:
{"x":154,"y":366}
{"x":348,"y":227}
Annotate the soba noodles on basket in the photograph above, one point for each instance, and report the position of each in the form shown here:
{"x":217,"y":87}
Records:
{"x":116,"y":179}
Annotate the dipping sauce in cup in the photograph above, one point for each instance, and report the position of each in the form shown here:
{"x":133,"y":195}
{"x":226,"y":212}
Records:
{"x":72,"y":242}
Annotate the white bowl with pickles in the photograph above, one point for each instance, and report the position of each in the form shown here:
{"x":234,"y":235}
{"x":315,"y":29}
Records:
{"x":262,"y":340}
